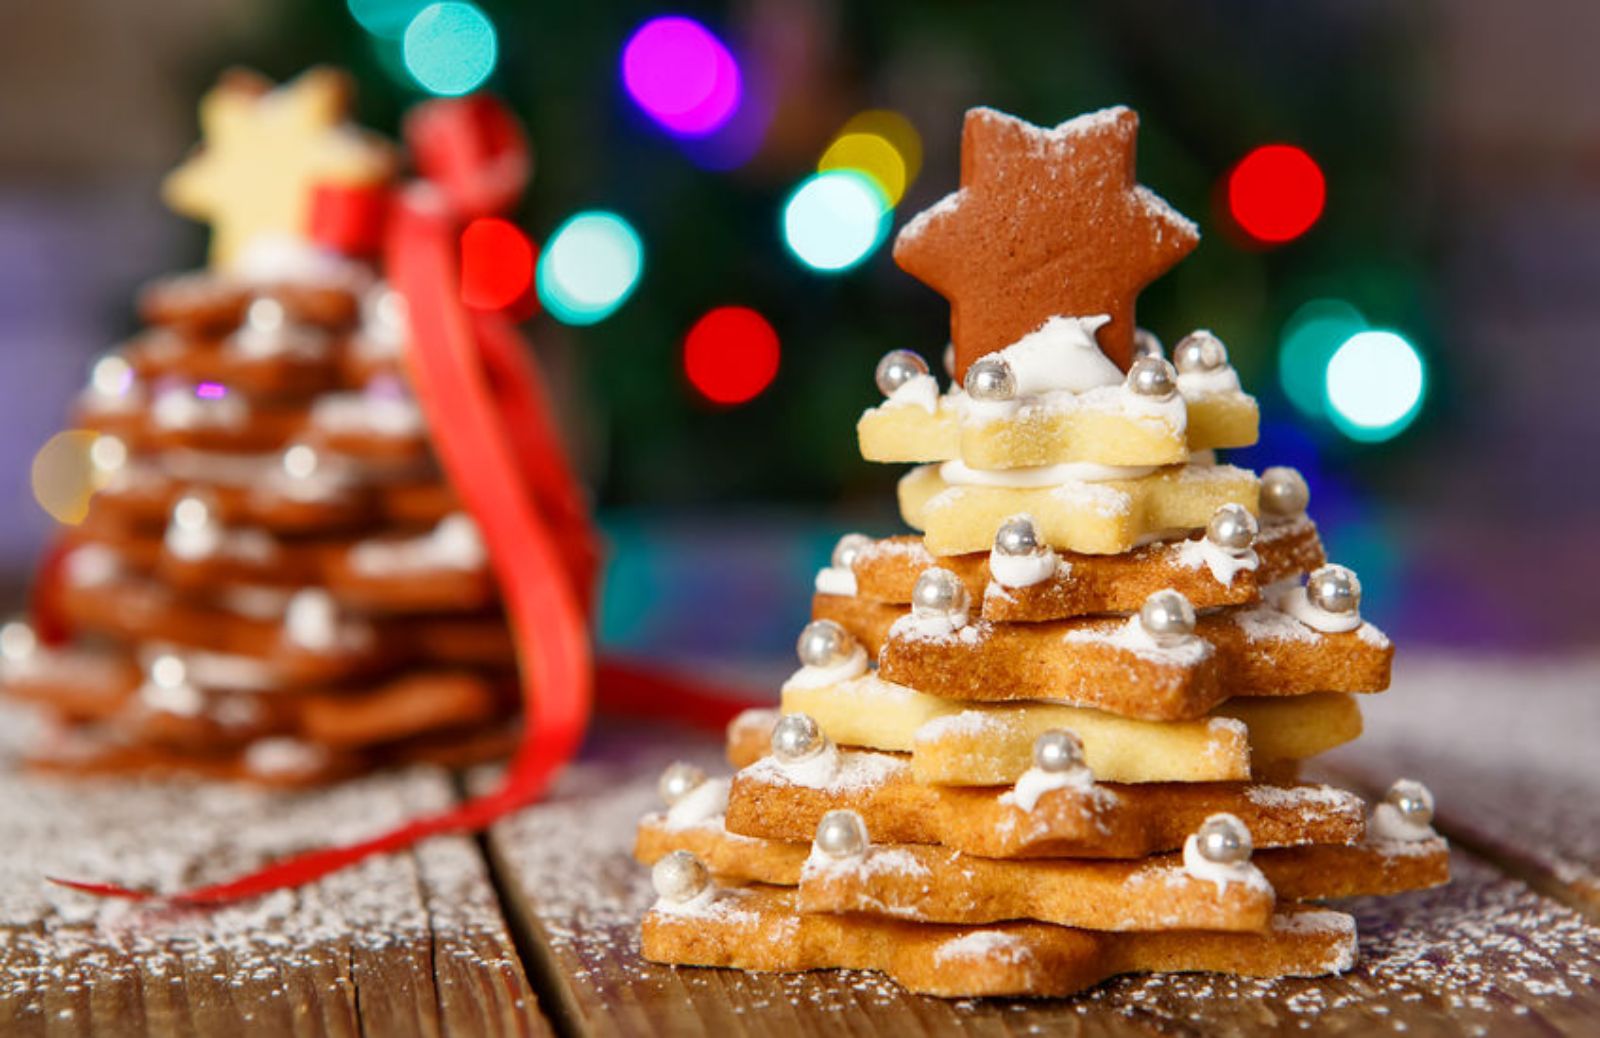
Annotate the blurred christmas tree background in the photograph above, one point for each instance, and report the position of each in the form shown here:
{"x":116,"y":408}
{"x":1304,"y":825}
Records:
{"x":1435,"y":182}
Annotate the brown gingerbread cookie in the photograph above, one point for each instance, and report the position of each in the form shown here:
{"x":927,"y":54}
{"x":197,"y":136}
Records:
{"x":1047,"y":222}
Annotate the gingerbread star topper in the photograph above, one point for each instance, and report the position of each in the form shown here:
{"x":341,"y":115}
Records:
{"x":1047,"y":223}
{"x":264,"y":150}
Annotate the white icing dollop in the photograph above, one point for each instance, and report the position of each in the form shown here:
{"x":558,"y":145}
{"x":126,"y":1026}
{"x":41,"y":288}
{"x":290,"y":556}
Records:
{"x":283,"y":756}
{"x":455,"y":544}
{"x":1132,"y":637}
{"x":1389,"y":824}
{"x":816,"y":771}
{"x":1206,"y":383}
{"x":703,"y":803}
{"x":1293,"y":600}
{"x":180,"y":407}
{"x":918,"y":391}
{"x":312,"y":622}
{"x":92,"y":565}
{"x":836,"y":580}
{"x":850,"y":668}
{"x":180,"y":698}
{"x":1036,"y":782}
{"x":1023,"y":570}
{"x":694,"y":906}
{"x":192,"y":541}
{"x":368,"y":413}
{"x":1061,"y":354}
{"x":275,"y":259}
{"x":1218,"y":872}
{"x":958,"y":473}
{"x":1224,"y":564}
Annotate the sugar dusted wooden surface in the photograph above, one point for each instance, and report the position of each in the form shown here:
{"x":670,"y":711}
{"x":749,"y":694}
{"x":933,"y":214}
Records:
{"x":420,"y":943}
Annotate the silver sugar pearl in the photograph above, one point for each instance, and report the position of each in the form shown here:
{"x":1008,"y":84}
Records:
{"x":1146,"y":344}
{"x":191,"y":513}
{"x":17,"y":641}
{"x":1199,"y":352}
{"x":950,"y":359}
{"x":168,"y":671}
{"x":849,"y":546}
{"x":1334,"y":589}
{"x":678,"y":781}
{"x":1152,"y":377}
{"x":1058,"y":750}
{"x":897,"y":368}
{"x":796,"y":738}
{"x":265,"y":314}
{"x":1017,"y":536}
{"x":1284,"y":493}
{"x":1412,"y":800}
{"x":1167,"y":616}
{"x":842,"y":834}
{"x":111,"y":375}
{"x":990,"y":378}
{"x":824,"y":643}
{"x":938,"y":593}
{"x":1232,"y":527}
{"x":1224,"y":839}
{"x":680,"y":877}
{"x":301,"y":461}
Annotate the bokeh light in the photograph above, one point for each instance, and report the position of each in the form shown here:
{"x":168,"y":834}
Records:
{"x":681,"y":75}
{"x":1276,"y":193}
{"x":386,"y":19}
{"x":880,"y":144}
{"x":731,"y":354}
{"x":64,"y":476}
{"x":1309,"y":340}
{"x":1376,"y":382}
{"x":450,"y":48}
{"x":834,"y":220}
{"x":590,"y":266}
{"x":496,"y":263}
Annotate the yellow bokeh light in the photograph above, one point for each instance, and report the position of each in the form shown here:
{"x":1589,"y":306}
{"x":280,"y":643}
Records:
{"x":65,"y":476}
{"x":881,"y":144}
{"x":869,"y":154}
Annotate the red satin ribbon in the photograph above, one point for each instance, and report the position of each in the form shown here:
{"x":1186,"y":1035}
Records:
{"x":487,"y":413}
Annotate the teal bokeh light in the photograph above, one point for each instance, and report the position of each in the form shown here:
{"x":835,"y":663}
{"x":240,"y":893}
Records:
{"x":1310,"y":338}
{"x":450,"y":48}
{"x":834,"y":220}
{"x":1375,"y":385}
{"x":386,"y":19}
{"x":591,"y":265}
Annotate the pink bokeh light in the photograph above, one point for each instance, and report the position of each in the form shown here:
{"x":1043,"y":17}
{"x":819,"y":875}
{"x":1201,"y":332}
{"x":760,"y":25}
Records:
{"x":681,"y":75}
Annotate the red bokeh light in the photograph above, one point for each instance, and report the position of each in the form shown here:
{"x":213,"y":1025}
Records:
{"x":1276,"y":193}
{"x":497,"y":264}
{"x":731,"y":354}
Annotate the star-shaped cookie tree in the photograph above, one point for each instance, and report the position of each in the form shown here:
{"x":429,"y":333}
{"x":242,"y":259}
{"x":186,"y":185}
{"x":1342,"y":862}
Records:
{"x":262,"y":152}
{"x":1047,"y":222}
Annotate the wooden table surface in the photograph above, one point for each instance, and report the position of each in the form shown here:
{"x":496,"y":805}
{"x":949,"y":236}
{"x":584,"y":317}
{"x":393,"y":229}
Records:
{"x":531,"y":929}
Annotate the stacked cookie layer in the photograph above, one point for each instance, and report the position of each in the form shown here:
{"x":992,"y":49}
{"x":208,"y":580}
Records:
{"x":1057,"y":736}
{"x":274,"y":581}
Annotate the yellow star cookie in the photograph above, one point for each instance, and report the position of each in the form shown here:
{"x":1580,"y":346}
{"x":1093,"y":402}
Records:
{"x":1092,"y":427}
{"x":976,"y":744}
{"x":1098,"y":518}
{"x":263,"y":150}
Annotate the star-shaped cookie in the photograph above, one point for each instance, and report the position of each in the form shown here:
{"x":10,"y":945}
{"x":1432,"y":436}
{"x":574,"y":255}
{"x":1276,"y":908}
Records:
{"x":263,"y":151}
{"x":1047,"y":222}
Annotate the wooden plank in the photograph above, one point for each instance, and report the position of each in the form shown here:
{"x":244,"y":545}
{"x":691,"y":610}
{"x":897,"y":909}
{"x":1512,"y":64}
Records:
{"x":1486,"y":955}
{"x":1509,"y":749}
{"x":409,"y":944}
